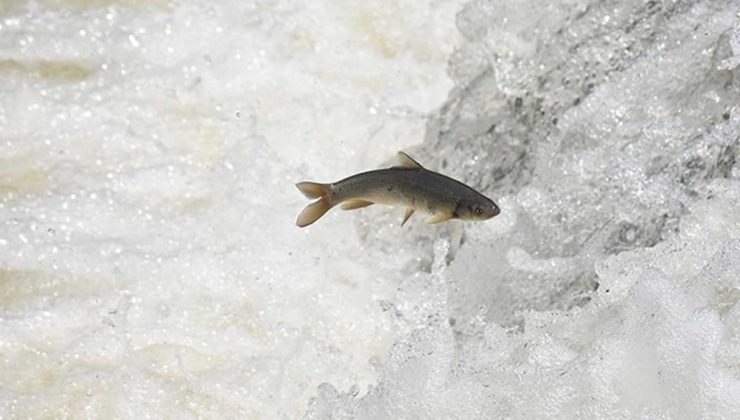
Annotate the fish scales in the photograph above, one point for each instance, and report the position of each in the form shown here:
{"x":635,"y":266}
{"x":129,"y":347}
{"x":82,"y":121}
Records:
{"x":418,"y":188}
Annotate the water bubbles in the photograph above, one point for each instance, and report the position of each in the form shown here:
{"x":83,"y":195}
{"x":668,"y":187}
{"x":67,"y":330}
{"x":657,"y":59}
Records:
{"x":26,"y":41}
{"x":589,"y":196}
{"x":156,"y":194}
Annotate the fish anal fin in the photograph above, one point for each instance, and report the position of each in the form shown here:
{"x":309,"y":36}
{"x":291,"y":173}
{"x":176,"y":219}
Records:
{"x":406,"y":161}
{"x":439,"y":218}
{"x":407,"y":215}
{"x":355,"y":204}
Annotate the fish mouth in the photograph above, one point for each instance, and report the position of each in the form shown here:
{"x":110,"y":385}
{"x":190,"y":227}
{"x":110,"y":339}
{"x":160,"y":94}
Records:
{"x":495,"y":211}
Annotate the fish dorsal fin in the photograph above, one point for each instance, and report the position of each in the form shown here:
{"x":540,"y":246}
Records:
{"x":406,"y":161}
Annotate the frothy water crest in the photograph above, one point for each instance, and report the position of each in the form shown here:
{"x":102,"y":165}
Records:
{"x":150,"y":266}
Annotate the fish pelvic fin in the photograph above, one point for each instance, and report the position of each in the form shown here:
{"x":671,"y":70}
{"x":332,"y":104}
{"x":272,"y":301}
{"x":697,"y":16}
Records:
{"x":406,"y":161}
{"x":407,"y":215}
{"x":313,"y":189}
{"x":314,"y":211}
{"x":356,"y":204}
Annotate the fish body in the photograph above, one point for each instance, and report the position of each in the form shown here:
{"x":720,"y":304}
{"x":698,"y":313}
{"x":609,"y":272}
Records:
{"x":409,"y":185}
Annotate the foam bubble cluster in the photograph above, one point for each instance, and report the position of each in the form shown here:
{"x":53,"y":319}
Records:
{"x":149,"y":261}
{"x":659,"y":338}
{"x":150,"y":266}
{"x":610,"y":133}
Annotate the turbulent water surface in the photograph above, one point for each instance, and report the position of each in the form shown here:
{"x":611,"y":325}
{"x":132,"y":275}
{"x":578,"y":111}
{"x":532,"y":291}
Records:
{"x":150,"y":266}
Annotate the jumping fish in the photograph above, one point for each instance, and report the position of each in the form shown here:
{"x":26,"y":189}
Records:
{"x":408,"y":185}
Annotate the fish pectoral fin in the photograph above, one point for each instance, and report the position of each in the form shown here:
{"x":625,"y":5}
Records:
{"x":407,"y":215}
{"x":439,"y":218}
{"x":406,"y":161}
{"x":356,"y":204}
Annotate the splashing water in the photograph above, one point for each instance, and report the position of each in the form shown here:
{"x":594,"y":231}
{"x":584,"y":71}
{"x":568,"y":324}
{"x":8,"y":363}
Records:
{"x":149,"y":265}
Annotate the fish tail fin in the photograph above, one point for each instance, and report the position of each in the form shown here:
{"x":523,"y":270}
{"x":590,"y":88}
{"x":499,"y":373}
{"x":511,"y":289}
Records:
{"x":313,"y":189}
{"x":314,"y":211}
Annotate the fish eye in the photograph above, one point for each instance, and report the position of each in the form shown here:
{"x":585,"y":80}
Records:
{"x":478,"y":211}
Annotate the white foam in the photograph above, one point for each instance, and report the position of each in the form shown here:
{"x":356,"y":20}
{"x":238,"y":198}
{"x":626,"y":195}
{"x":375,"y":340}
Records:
{"x":150,"y":266}
{"x":650,"y":343}
{"x":149,"y":263}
